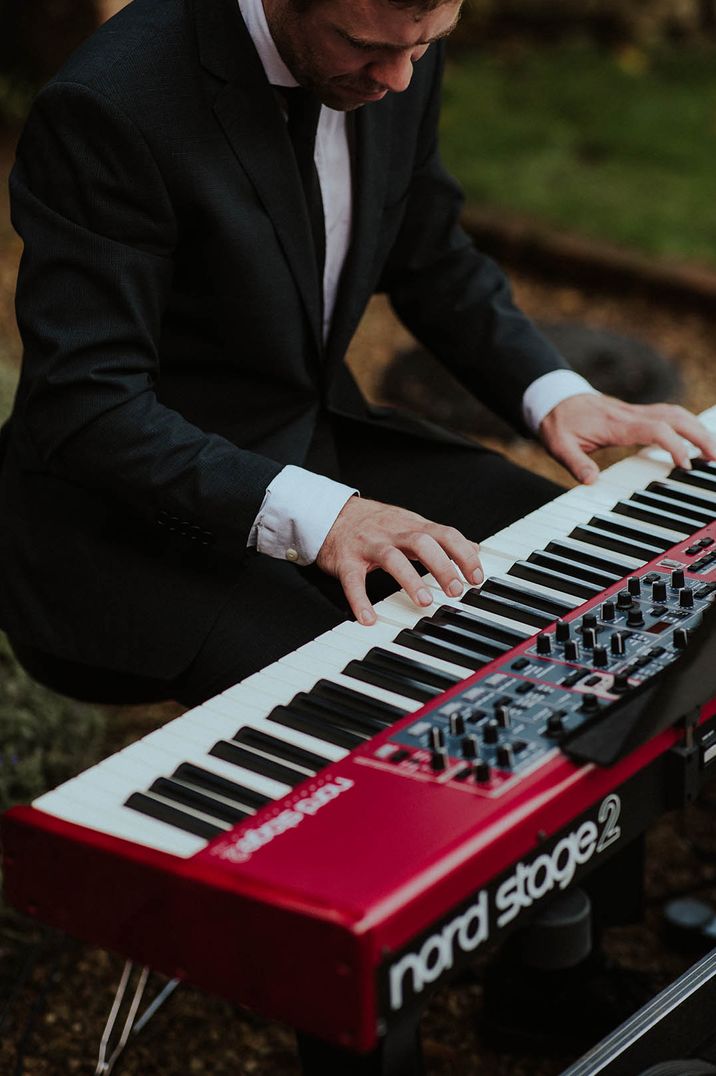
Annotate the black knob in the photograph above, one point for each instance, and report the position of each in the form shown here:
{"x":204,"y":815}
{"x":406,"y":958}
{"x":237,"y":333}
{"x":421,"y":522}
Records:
{"x":658,"y":591}
{"x":481,"y":770}
{"x":438,"y":761}
{"x":589,"y":620}
{"x":608,"y":611}
{"x":491,"y":732}
{"x":686,"y":598}
{"x":634,"y":585}
{"x":457,"y":725}
{"x":590,"y":703}
{"x":617,"y":645}
{"x":562,"y":631}
{"x":621,"y":683}
{"x":469,"y":747}
{"x":544,"y":644}
{"x":635,"y":618}
{"x":600,"y":657}
{"x":571,"y":650}
{"x":677,"y":578}
{"x":555,"y":724}
{"x":436,"y":738}
{"x":589,"y":638}
{"x":503,"y":716}
{"x":624,"y":600}
{"x":505,"y":756}
{"x":681,"y":639}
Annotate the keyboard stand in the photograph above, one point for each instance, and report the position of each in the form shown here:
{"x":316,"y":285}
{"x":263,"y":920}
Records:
{"x":398,"y":1054}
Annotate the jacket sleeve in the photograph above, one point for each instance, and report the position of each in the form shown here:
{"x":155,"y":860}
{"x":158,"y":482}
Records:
{"x":455,"y":300}
{"x":100,"y":232}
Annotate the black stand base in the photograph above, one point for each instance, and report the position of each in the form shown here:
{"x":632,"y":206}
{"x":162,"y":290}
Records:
{"x":398,"y":1054}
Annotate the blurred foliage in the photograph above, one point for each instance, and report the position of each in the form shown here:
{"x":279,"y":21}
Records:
{"x":616,"y":144}
{"x":44,"y":739}
{"x":639,"y":21}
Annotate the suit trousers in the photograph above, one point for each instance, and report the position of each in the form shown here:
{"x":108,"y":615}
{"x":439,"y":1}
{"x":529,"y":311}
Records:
{"x":275,"y":606}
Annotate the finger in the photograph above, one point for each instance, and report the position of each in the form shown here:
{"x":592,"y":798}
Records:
{"x":395,"y":563}
{"x":662,"y":434}
{"x":462,"y":551}
{"x":690,"y":427}
{"x":570,"y":454}
{"x":426,"y":549}
{"x":352,"y":580}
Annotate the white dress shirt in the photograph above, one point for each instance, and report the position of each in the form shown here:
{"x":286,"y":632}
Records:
{"x":300,"y":507}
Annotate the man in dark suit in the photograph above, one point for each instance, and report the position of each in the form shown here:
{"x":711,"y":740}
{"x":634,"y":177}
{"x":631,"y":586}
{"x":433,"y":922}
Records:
{"x":178,"y":487}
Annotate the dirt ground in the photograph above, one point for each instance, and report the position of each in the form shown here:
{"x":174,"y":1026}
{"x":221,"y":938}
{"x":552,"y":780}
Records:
{"x":55,"y":993}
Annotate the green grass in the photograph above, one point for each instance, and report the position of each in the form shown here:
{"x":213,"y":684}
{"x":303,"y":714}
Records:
{"x":622,"y":148}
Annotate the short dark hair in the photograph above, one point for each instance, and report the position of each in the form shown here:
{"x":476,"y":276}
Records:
{"x":419,"y":5}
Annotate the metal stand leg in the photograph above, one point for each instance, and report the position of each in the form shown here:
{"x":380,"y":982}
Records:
{"x":398,"y":1054}
{"x":132,"y":1026}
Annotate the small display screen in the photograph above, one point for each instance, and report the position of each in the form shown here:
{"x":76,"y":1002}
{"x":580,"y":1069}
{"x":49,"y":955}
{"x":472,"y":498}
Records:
{"x":661,"y":625}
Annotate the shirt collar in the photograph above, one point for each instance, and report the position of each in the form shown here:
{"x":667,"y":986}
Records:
{"x":253,"y":14}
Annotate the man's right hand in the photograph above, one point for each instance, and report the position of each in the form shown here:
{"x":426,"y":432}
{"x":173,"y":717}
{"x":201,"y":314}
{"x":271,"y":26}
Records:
{"x":369,"y":535}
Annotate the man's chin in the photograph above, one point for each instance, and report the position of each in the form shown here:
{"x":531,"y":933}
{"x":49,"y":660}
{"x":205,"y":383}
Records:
{"x":346,"y":99}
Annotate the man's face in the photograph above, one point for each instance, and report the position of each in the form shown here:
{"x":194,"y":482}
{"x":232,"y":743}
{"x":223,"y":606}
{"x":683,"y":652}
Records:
{"x":350,"y":52}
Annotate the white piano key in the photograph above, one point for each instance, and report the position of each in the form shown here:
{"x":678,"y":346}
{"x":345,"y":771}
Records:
{"x":685,"y":488}
{"x":122,"y":822}
{"x":362,"y":639}
{"x":634,"y":524}
{"x":240,"y":719}
{"x":178,"y":750}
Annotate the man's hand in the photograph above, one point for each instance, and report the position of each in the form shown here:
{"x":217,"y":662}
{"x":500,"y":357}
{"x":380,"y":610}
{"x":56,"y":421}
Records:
{"x":368,"y":535}
{"x":583,"y":423}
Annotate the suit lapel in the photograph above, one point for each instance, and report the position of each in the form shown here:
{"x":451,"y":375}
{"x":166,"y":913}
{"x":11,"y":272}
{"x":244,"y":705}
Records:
{"x":252,"y":122}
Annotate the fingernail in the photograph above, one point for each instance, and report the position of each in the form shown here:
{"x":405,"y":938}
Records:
{"x":588,"y":476}
{"x":454,"y":588}
{"x":425,"y":597}
{"x":477,"y":576}
{"x":367,"y":617}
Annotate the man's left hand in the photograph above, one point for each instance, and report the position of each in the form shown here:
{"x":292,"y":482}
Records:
{"x":581,"y":424}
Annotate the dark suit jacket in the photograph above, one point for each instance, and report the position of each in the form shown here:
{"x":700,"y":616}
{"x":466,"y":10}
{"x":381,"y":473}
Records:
{"x":169,"y":307}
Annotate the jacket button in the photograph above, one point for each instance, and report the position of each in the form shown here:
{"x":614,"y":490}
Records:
{"x":291,"y":554}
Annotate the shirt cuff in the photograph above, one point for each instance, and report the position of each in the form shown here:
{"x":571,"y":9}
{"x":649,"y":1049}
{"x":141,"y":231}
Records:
{"x":296,"y":514}
{"x":549,"y":390}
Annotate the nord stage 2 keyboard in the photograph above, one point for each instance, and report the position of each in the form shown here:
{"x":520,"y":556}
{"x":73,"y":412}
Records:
{"x":331,"y":838}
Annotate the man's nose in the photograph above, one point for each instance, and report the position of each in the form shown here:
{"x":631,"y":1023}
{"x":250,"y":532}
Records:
{"x":394,"y":72}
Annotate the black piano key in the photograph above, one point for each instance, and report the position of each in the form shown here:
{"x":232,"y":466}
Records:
{"x":286,"y":752}
{"x":338,"y":711}
{"x":634,"y":510}
{"x":200,"y":801}
{"x":697,"y":478}
{"x":319,"y":727}
{"x":595,"y":560}
{"x":708,"y":466}
{"x":685,"y":497}
{"x":221,"y":786}
{"x":505,"y":588}
{"x":460,"y":636}
{"x":471,"y":621}
{"x":632,"y":533}
{"x":676,"y":506}
{"x":491,"y":603}
{"x":574,"y":569}
{"x":394,"y":673}
{"x":382,"y":711}
{"x":548,"y":577}
{"x":238,"y":756}
{"x":603,"y":540}
{"x":173,"y":816}
{"x":429,"y":644}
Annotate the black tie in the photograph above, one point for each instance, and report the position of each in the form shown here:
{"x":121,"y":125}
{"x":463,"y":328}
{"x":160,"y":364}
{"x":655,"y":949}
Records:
{"x":304,"y":108}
